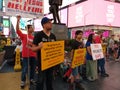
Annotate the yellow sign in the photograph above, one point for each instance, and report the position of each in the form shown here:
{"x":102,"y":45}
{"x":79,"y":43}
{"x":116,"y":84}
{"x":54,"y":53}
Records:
{"x":104,"y":49}
{"x":17,"y":66}
{"x":52,"y":54}
{"x":8,"y":42}
{"x":79,"y":57}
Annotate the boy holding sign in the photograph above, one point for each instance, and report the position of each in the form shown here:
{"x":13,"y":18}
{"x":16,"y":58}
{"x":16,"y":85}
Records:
{"x":75,"y":77}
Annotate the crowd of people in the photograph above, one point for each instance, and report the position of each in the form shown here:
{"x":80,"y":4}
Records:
{"x":31,"y":57}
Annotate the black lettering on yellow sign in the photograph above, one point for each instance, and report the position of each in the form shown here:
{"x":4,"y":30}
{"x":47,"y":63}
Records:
{"x":52,"y":54}
{"x":17,"y":66}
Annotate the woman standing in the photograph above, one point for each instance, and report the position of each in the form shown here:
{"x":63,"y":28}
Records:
{"x":91,"y":65}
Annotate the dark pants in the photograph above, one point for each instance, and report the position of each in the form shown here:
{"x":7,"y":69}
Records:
{"x":101,"y":66}
{"x":44,"y":76}
{"x":118,"y":53}
{"x":32,"y":64}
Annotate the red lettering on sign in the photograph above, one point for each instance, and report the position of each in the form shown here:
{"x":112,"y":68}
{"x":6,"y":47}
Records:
{"x":11,"y":5}
{"x":33,"y":9}
{"x":24,"y":8}
{"x":36,"y":9}
{"x":16,"y":6}
{"x":41,"y":4}
{"x":29,"y":8}
{"x":40,"y":10}
{"x":98,"y":56}
{"x":20,"y":7}
{"x":96,"y":46}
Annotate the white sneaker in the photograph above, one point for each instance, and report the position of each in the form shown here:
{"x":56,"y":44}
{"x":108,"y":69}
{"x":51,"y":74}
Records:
{"x":22,"y":85}
{"x":90,"y":79}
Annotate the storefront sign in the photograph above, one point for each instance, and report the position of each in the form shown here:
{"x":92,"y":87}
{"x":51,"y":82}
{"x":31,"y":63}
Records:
{"x":79,"y":57}
{"x":52,"y":54}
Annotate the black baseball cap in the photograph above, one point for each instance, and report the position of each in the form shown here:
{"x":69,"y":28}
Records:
{"x":45,"y":20}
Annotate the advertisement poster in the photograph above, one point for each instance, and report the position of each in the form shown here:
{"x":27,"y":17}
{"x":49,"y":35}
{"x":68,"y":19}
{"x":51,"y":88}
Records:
{"x":97,"y":51}
{"x":52,"y":54}
{"x":25,"y":8}
{"x":79,"y":57}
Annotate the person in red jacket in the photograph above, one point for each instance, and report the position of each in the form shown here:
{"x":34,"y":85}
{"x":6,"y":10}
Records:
{"x":27,"y":54}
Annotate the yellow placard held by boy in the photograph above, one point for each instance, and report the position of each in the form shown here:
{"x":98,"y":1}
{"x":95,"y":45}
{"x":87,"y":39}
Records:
{"x":78,"y":57}
{"x":17,"y":66}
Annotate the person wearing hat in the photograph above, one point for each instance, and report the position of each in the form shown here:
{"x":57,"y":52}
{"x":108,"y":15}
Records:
{"x":43,"y":36}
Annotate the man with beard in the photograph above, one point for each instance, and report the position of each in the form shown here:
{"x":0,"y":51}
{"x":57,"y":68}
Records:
{"x":40,"y":37}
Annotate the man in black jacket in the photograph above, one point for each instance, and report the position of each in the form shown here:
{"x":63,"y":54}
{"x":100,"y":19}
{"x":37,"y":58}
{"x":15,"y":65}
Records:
{"x":40,"y":37}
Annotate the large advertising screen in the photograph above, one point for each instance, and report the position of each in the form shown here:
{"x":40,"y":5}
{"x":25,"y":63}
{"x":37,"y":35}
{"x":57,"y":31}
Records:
{"x":80,"y":14}
{"x":108,"y":14}
{"x":88,"y":13}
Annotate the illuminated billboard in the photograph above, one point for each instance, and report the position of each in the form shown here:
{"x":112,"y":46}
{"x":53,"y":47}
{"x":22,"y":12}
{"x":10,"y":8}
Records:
{"x":88,"y":13}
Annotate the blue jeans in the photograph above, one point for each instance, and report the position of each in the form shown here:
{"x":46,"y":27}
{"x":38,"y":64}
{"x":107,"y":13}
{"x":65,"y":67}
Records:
{"x":45,"y":76}
{"x":75,"y":71}
{"x":101,"y":66}
{"x":32,"y":64}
